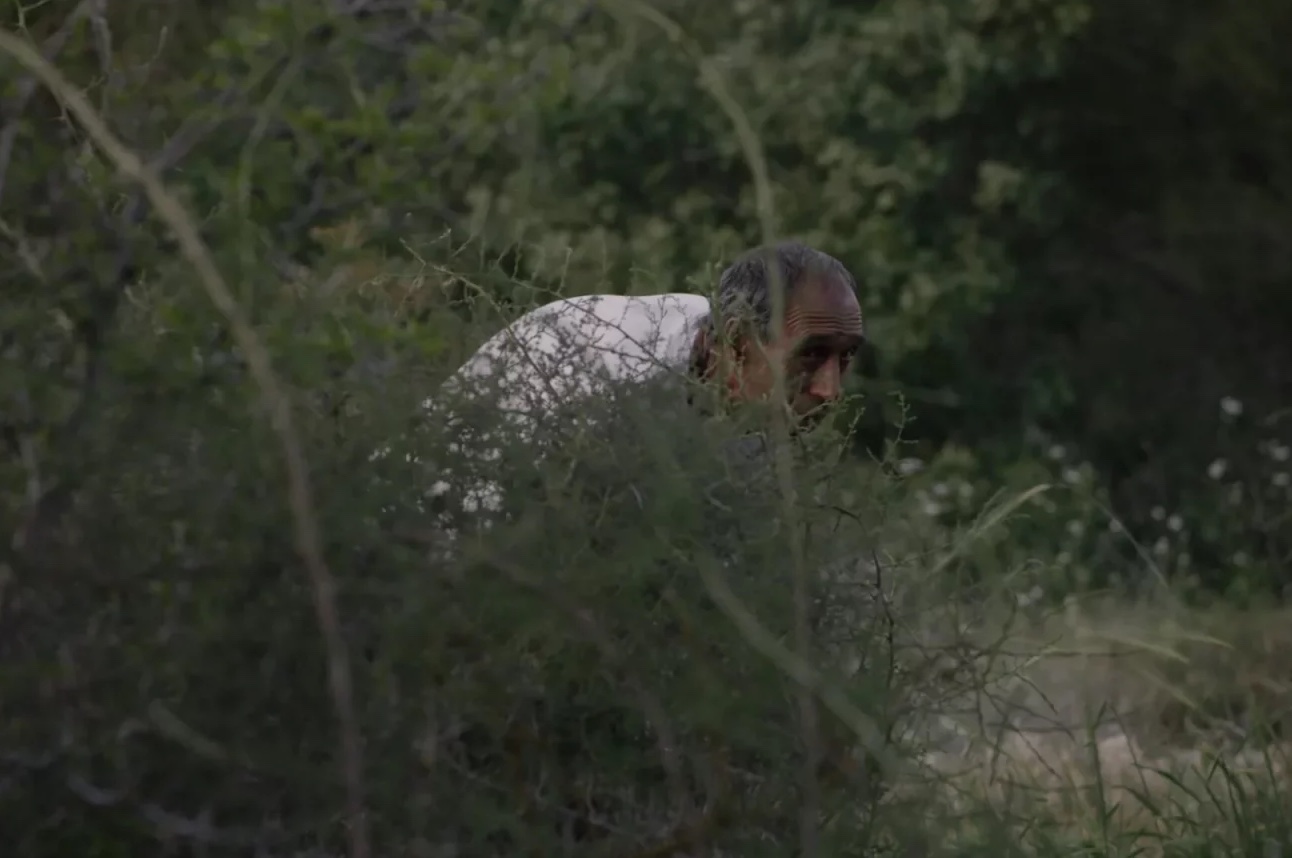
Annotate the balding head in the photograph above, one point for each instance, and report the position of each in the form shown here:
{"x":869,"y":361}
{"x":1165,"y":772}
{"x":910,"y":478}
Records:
{"x":818,"y":336}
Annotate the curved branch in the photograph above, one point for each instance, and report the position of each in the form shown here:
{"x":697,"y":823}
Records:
{"x":307,"y":533}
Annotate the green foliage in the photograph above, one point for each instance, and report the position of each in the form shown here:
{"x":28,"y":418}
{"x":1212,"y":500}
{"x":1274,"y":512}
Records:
{"x":501,"y":688}
{"x":1047,"y":211}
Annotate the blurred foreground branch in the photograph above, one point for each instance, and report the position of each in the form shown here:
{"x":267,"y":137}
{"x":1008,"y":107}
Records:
{"x":308,"y":539}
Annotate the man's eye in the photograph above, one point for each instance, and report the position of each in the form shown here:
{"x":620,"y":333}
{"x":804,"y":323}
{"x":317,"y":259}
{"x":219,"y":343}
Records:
{"x":814,"y":356}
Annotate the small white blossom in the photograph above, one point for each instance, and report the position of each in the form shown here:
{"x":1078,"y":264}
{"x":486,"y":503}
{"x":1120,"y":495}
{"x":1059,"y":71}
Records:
{"x":1231,"y":407}
{"x":1217,"y":469}
{"x":1031,"y":597}
{"x":1280,"y":452}
{"x":1071,"y":476}
{"x":1281,"y":479}
{"x":906,"y":467}
{"x":932,"y":508}
{"x":1057,"y":452}
{"x":1175,"y":523}
{"x":1162,"y":546}
{"x":1158,"y":513}
{"x":941,"y":490}
{"x":1076,"y":528}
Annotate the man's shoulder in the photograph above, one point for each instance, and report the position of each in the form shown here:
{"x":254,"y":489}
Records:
{"x":624,"y":325}
{"x":612,"y":309}
{"x":628,"y":336}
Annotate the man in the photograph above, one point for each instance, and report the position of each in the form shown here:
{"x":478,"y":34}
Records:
{"x":578,"y":347}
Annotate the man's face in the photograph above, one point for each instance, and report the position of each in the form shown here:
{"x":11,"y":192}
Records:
{"x":815,"y":347}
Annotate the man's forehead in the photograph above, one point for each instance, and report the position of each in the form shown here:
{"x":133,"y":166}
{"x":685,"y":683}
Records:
{"x":825,"y":296}
{"x":824,"y":291}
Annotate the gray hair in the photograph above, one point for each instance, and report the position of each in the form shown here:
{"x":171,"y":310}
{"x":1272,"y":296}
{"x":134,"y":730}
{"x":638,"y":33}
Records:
{"x":745,"y":288}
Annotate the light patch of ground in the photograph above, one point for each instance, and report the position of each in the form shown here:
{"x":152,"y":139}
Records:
{"x":1148,"y":718}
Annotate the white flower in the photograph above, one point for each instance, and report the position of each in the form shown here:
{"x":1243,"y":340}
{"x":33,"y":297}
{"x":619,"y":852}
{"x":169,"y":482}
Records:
{"x":1217,"y":469}
{"x":1231,"y":407}
{"x":1162,"y":546}
{"x":1071,"y":476}
{"x":932,"y":508}
{"x":1281,"y":479}
{"x":906,"y":467}
{"x":1076,"y":528}
{"x":1280,"y":452}
{"x":1175,"y":523}
{"x":1031,"y":596}
{"x":1057,"y":451}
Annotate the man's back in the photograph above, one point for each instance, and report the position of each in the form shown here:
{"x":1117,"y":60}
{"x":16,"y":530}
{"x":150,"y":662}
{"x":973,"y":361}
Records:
{"x":553,"y":356}
{"x":566,"y":348}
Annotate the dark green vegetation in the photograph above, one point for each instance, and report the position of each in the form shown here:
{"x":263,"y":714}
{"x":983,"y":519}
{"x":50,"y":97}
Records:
{"x":1069,"y":219}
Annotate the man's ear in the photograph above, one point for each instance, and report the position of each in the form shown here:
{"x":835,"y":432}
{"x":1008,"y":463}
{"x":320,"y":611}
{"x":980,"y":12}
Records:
{"x":733,"y":353}
{"x":711,"y":352}
{"x":734,"y":342}
{"x":704,"y":361}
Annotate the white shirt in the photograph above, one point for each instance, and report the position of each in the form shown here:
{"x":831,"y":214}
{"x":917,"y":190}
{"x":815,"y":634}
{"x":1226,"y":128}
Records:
{"x":564,"y":350}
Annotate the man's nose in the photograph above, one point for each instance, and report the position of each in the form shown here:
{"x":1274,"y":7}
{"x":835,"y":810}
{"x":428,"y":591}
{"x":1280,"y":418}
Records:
{"x":827,"y":381}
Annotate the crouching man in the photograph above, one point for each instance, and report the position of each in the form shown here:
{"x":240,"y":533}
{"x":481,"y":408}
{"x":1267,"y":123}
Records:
{"x":540,"y":367}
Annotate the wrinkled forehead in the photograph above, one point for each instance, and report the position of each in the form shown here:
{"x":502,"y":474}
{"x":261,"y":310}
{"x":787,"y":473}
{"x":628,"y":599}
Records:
{"x":824,"y":300}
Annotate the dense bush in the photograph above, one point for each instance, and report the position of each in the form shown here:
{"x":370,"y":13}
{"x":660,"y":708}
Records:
{"x":1047,"y":214}
{"x":1026,"y":268}
{"x":511,"y":692}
